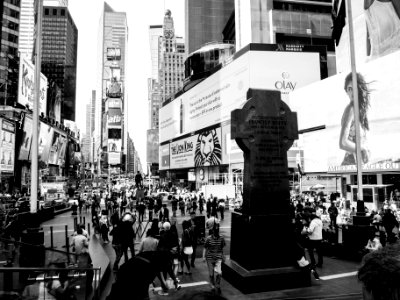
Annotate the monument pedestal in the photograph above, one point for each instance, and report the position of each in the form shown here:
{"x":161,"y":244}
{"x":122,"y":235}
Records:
{"x":263,"y":245}
{"x":262,"y":255}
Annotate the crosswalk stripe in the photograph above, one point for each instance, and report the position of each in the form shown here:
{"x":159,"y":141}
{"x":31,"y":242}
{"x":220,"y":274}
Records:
{"x":341,"y":275}
{"x":185,"y":285}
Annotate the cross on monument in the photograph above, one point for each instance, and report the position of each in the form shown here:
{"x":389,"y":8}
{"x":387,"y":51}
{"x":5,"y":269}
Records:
{"x":265,"y":129}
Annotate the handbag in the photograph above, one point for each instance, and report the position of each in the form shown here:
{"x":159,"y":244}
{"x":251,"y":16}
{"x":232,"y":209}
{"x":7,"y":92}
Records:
{"x":188,"y":250}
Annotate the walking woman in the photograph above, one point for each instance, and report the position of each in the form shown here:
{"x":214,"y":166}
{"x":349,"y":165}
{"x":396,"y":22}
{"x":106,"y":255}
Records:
{"x":187,"y":247}
{"x":213,"y":254}
{"x":347,"y":140}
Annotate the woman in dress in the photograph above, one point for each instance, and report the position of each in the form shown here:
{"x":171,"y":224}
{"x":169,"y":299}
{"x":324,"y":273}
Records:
{"x":347,"y":140}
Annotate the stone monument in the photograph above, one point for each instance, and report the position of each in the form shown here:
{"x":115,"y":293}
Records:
{"x":262,"y":236}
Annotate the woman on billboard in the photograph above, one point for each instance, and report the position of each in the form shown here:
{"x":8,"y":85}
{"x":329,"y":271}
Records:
{"x":347,"y":140}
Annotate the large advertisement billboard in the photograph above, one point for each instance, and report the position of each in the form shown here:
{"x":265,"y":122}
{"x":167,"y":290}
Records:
{"x":26,"y":86}
{"x":114,"y":118}
{"x":164,"y":157}
{"x":57,"y":149}
{"x":198,"y":150}
{"x":45,"y":139}
{"x":211,"y":101}
{"x":26,"y":139}
{"x":113,"y":53}
{"x":329,"y":103}
{"x":7,"y":145}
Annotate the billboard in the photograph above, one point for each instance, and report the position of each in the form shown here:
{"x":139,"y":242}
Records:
{"x":57,"y":149}
{"x":152,"y":146}
{"x":114,"y":118}
{"x":45,"y":139}
{"x":376,"y":32}
{"x":198,"y":150}
{"x":114,"y":158}
{"x":114,"y":145}
{"x":327,"y":103}
{"x":113,"y":53}
{"x":26,"y":86}
{"x":7,"y":145}
{"x":114,"y":88}
{"x":26,"y":139}
{"x":113,"y":103}
{"x":211,"y":101}
{"x":164,"y":157}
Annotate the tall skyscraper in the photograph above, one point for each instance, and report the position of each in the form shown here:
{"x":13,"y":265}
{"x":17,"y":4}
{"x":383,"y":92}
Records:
{"x":205,"y":20}
{"x":9,"y":64}
{"x":60,"y":54}
{"x":92,"y":112}
{"x":110,"y":112}
{"x":26,"y":28}
{"x":171,"y":59}
{"x":168,"y":68}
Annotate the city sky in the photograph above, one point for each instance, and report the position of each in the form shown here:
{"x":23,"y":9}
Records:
{"x":140,"y":15}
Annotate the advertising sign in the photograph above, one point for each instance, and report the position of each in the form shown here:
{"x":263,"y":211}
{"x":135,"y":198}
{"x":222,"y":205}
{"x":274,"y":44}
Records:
{"x":114,"y":118}
{"x":164,"y":157}
{"x":114,"y":145}
{"x":26,"y":139}
{"x":327,"y":103}
{"x":26,"y":86}
{"x":152,"y":146}
{"x":114,"y":158}
{"x":113,"y":103}
{"x":211,"y":101}
{"x":45,"y":139}
{"x":199,"y":150}
{"x":113,"y":53}
{"x":57,"y":187}
{"x":57,"y":149}
{"x":7,"y":145}
{"x":114,"y":88}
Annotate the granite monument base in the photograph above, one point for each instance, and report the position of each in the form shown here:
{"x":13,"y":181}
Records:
{"x":263,"y":280}
{"x":263,"y":254}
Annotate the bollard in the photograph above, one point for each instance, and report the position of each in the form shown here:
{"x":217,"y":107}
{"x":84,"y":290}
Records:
{"x":88,"y":229}
{"x":75,"y":223}
{"x":68,"y":249}
{"x":51,"y":237}
{"x":66,"y":237}
{"x":84,"y":220}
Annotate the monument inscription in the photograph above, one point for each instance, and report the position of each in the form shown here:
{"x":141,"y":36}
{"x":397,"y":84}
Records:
{"x":264,"y":129}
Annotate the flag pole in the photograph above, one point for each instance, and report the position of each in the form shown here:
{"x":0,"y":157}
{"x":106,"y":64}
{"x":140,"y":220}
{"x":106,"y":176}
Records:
{"x":35,"y":113}
{"x":360,"y":198}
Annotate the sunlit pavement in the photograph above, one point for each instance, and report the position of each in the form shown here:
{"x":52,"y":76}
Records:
{"x":338,"y":276}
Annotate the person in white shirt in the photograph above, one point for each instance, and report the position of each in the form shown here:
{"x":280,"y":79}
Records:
{"x":315,"y":237}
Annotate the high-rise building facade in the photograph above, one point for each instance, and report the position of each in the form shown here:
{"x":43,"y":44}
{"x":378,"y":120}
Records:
{"x":26,"y":28}
{"x":9,"y":64}
{"x":111,"y":107}
{"x":171,"y":59}
{"x":167,"y":60}
{"x":60,"y":54}
{"x":205,"y":20}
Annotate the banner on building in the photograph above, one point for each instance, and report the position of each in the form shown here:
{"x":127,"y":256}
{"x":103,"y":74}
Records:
{"x":164,"y":157}
{"x":114,"y":145}
{"x":26,"y":139}
{"x":57,"y":149}
{"x":329,"y":102}
{"x":113,"y":103}
{"x":113,"y":53}
{"x":26,"y":86}
{"x":114,"y":158}
{"x":114,"y":118}
{"x":7,"y":146}
{"x":199,"y":150}
{"x":114,"y":88}
{"x":45,"y":139}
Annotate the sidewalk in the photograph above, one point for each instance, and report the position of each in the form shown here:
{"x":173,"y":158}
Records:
{"x":338,"y":277}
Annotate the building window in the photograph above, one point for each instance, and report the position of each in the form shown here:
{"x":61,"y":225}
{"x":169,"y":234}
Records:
{"x":63,"y":12}
{"x":54,"y":12}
